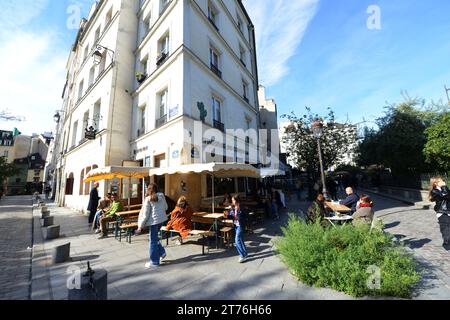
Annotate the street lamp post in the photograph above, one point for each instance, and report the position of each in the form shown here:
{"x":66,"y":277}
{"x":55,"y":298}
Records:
{"x":98,"y":56}
{"x":317,"y":128}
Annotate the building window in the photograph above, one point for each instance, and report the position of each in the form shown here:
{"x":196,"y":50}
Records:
{"x":164,"y":5}
{"x":245,"y":90}
{"x":163,"y":48}
{"x":147,"y":24}
{"x":240,"y":24}
{"x":86,"y":52}
{"x":69,"y":185}
{"x":108,"y":18}
{"x":97,"y":115}
{"x":86,"y":184}
{"x":142,"y":120}
{"x":214,"y":60}
{"x":213,"y":15}
{"x":91,"y":76}
{"x":97,"y":35}
{"x":80,"y":89}
{"x":162,"y":108}
{"x":81,"y":182}
{"x":86,"y":120}
{"x":217,"y":114}
{"x":242,"y":55}
{"x":74,"y":133}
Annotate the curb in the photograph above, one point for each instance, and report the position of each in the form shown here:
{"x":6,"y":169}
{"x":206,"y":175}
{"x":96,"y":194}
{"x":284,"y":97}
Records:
{"x":40,"y":279}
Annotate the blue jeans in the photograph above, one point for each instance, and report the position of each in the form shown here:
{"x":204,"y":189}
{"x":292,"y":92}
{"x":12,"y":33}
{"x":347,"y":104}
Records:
{"x":240,"y":245}
{"x":97,"y":219}
{"x":156,"y":249}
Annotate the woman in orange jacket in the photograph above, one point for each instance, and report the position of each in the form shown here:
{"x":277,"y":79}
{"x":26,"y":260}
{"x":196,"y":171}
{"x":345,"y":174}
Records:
{"x":180,"y":219}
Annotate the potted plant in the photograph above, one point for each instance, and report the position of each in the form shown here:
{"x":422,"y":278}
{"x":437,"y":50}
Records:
{"x":140,"y":77}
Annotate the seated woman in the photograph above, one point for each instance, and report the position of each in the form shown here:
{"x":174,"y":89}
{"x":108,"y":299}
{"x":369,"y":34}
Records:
{"x":226,"y":202}
{"x":180,"y":219}
{"x":364,"y":213}
{"x":317,"y":211}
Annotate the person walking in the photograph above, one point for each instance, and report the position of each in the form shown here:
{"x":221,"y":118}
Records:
{"x":153,"y":215}
{"x":440,"y":194}
{"x":93,"y":202}
{"x":47,"y":191}
{"x":239,"y":215}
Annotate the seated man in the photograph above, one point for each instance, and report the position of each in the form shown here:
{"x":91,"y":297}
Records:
{"x":104,"y":206}
{"x":351,"y":200}
{"x":317,"y":211}
{"x":110,"y":215}
{"x":365,"y":212}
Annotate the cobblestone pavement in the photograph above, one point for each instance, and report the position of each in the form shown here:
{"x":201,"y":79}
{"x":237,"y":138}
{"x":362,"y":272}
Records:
{"x":418,"y":229}
{"x":15,"y":239}
{"x":185,"y":275}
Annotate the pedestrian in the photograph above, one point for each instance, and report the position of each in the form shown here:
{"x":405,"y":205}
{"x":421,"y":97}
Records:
{"x":47,"y":191}
{"x":239,"y":215}
{"x":153,"y":215}
{"x":93,"y":202}
{"x":180,"y":220}
{"x":440,"y":194}
{"x":275,"y":204}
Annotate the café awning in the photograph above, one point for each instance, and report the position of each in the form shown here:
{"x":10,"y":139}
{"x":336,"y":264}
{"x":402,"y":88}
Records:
{"x":117,"y":172}
{"x":219,"y":170}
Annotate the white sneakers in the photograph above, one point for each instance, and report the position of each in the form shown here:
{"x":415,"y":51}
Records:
{"x":242,"y":260}
{"x":150,"y":266}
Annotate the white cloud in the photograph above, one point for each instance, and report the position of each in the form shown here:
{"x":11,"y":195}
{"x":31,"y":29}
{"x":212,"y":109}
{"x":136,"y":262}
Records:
{"x":280,"y":26}
{"x":33,"y":68}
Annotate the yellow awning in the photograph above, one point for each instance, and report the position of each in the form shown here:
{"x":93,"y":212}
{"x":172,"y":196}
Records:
{"x":110,"y":173}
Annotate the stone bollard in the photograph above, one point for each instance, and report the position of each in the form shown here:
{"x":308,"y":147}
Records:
{"x":99,"y":291}
{"x":45,"y":214}
{"x":52,"y":232}
{"x":44,"y":209}
{"x":47,"y":221}
{"x":61,"y":253}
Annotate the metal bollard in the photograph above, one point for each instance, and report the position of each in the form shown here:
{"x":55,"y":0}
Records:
{"x":93,"y":286}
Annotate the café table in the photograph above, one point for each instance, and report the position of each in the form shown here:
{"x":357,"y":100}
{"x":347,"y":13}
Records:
{"x":338,"y":208}
{"x":339,"y":219}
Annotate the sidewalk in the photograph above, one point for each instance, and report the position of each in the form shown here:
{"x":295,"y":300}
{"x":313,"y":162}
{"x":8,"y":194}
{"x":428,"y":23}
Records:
{"x":186,"y":275}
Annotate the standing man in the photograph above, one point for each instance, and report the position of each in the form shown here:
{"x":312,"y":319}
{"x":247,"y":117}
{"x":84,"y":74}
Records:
{"x":93,"y":202}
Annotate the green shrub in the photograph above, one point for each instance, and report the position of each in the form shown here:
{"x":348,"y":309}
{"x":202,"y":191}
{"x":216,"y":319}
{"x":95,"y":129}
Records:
{"x":340,"y":258}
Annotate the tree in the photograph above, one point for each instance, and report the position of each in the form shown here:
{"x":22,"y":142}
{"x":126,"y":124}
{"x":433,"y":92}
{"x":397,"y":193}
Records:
{"x":302,"y":145}
{"x":437,"y":148}
{"x":401,"y":138}
{"x":6,"y":170}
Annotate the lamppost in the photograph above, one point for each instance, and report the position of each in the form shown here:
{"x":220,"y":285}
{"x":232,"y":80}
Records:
{"x":98,"y":56}
{"x":317,"y":129}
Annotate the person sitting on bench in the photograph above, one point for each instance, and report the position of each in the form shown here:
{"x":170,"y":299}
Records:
{"x":180,"y":219}
{"x":110,"y":215}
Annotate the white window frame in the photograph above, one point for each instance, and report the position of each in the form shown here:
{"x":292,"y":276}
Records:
{"x":217,"y":106}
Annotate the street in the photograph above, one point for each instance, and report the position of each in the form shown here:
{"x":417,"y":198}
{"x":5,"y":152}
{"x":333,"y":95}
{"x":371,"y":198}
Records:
{"x":189,"y":275}
{"x":15,"y":239}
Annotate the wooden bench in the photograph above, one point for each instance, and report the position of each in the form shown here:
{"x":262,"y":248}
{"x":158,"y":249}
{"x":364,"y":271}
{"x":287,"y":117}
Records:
{"x":205,"y":234}
{"x":128,"y":228}
{"x":227,"y":235}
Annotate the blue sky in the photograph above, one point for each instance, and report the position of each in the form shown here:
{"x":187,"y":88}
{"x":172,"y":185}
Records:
{"x":316,"y":53}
